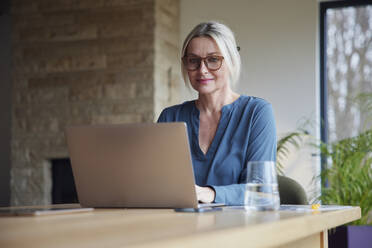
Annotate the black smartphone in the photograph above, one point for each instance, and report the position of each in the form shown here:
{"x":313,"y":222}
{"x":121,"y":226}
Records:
{"x":198,"y":210}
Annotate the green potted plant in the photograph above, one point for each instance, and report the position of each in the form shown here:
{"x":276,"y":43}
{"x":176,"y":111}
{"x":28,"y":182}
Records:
{"x":347,"y":180}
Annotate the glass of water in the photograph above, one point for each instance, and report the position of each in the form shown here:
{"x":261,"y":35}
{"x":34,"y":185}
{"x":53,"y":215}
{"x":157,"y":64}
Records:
{"x":261,"y":191}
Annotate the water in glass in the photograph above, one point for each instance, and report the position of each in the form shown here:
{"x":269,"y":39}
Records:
{"x":260,"y":196}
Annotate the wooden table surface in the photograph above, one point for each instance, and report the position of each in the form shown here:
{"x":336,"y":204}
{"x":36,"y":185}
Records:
{"x":166,"y":228}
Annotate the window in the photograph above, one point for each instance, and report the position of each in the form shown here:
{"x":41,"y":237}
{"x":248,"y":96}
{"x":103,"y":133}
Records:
{"x":345,"y":68}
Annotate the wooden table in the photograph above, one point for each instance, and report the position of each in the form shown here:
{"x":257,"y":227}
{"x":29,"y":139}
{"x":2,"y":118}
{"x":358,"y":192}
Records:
{"x":166,"y":228}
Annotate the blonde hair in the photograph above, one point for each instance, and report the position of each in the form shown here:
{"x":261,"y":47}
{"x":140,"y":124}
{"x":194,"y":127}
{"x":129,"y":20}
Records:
{"x":225,"y":40}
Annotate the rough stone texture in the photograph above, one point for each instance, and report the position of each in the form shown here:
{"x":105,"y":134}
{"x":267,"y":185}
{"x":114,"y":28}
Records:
{"x":84,"y":62}
{"x":167,"y":59}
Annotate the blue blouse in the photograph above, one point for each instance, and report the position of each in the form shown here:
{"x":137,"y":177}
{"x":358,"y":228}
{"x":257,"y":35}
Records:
{"x":246,"y":132}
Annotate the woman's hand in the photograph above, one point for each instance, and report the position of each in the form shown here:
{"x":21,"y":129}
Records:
{"x":205,"y":194}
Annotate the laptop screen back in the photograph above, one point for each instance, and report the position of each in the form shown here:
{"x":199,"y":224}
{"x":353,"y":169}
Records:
{"x":132,"y":165}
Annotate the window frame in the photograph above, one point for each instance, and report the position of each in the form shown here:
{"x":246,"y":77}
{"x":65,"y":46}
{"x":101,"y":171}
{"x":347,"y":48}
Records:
{"x":323,"y":7}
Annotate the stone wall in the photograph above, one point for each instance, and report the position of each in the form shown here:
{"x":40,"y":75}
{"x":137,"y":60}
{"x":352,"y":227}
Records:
{"x":84,"y":62}
{"x":167,"y":55}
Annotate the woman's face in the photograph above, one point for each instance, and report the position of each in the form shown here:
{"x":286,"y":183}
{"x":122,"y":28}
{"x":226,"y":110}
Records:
{"x":204,"y":80}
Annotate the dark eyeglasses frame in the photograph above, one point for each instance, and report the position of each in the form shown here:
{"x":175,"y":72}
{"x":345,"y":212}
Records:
{"x":203,"y":59}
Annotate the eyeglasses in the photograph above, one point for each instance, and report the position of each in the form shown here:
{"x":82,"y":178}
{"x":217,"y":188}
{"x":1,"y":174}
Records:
{"x":212,"y":62}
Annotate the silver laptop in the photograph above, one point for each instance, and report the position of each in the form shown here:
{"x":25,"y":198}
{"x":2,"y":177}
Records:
{"x":133,"y":165}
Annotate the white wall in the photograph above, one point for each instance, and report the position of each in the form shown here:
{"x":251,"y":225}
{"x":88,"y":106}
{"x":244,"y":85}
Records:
{"x":278,"y":40}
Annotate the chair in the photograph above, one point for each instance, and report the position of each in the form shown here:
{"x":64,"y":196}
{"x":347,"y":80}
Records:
{"x":291,"y":192}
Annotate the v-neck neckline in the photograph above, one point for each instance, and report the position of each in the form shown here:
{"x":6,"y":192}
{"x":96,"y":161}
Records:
{"x":221,"y":126}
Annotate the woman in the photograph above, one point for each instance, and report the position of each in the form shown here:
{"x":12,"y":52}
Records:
{"x":226,"y":130}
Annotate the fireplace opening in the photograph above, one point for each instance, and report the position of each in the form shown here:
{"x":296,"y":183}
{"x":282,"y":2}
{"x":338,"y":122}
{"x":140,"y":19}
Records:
{"x":63,"y":184}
